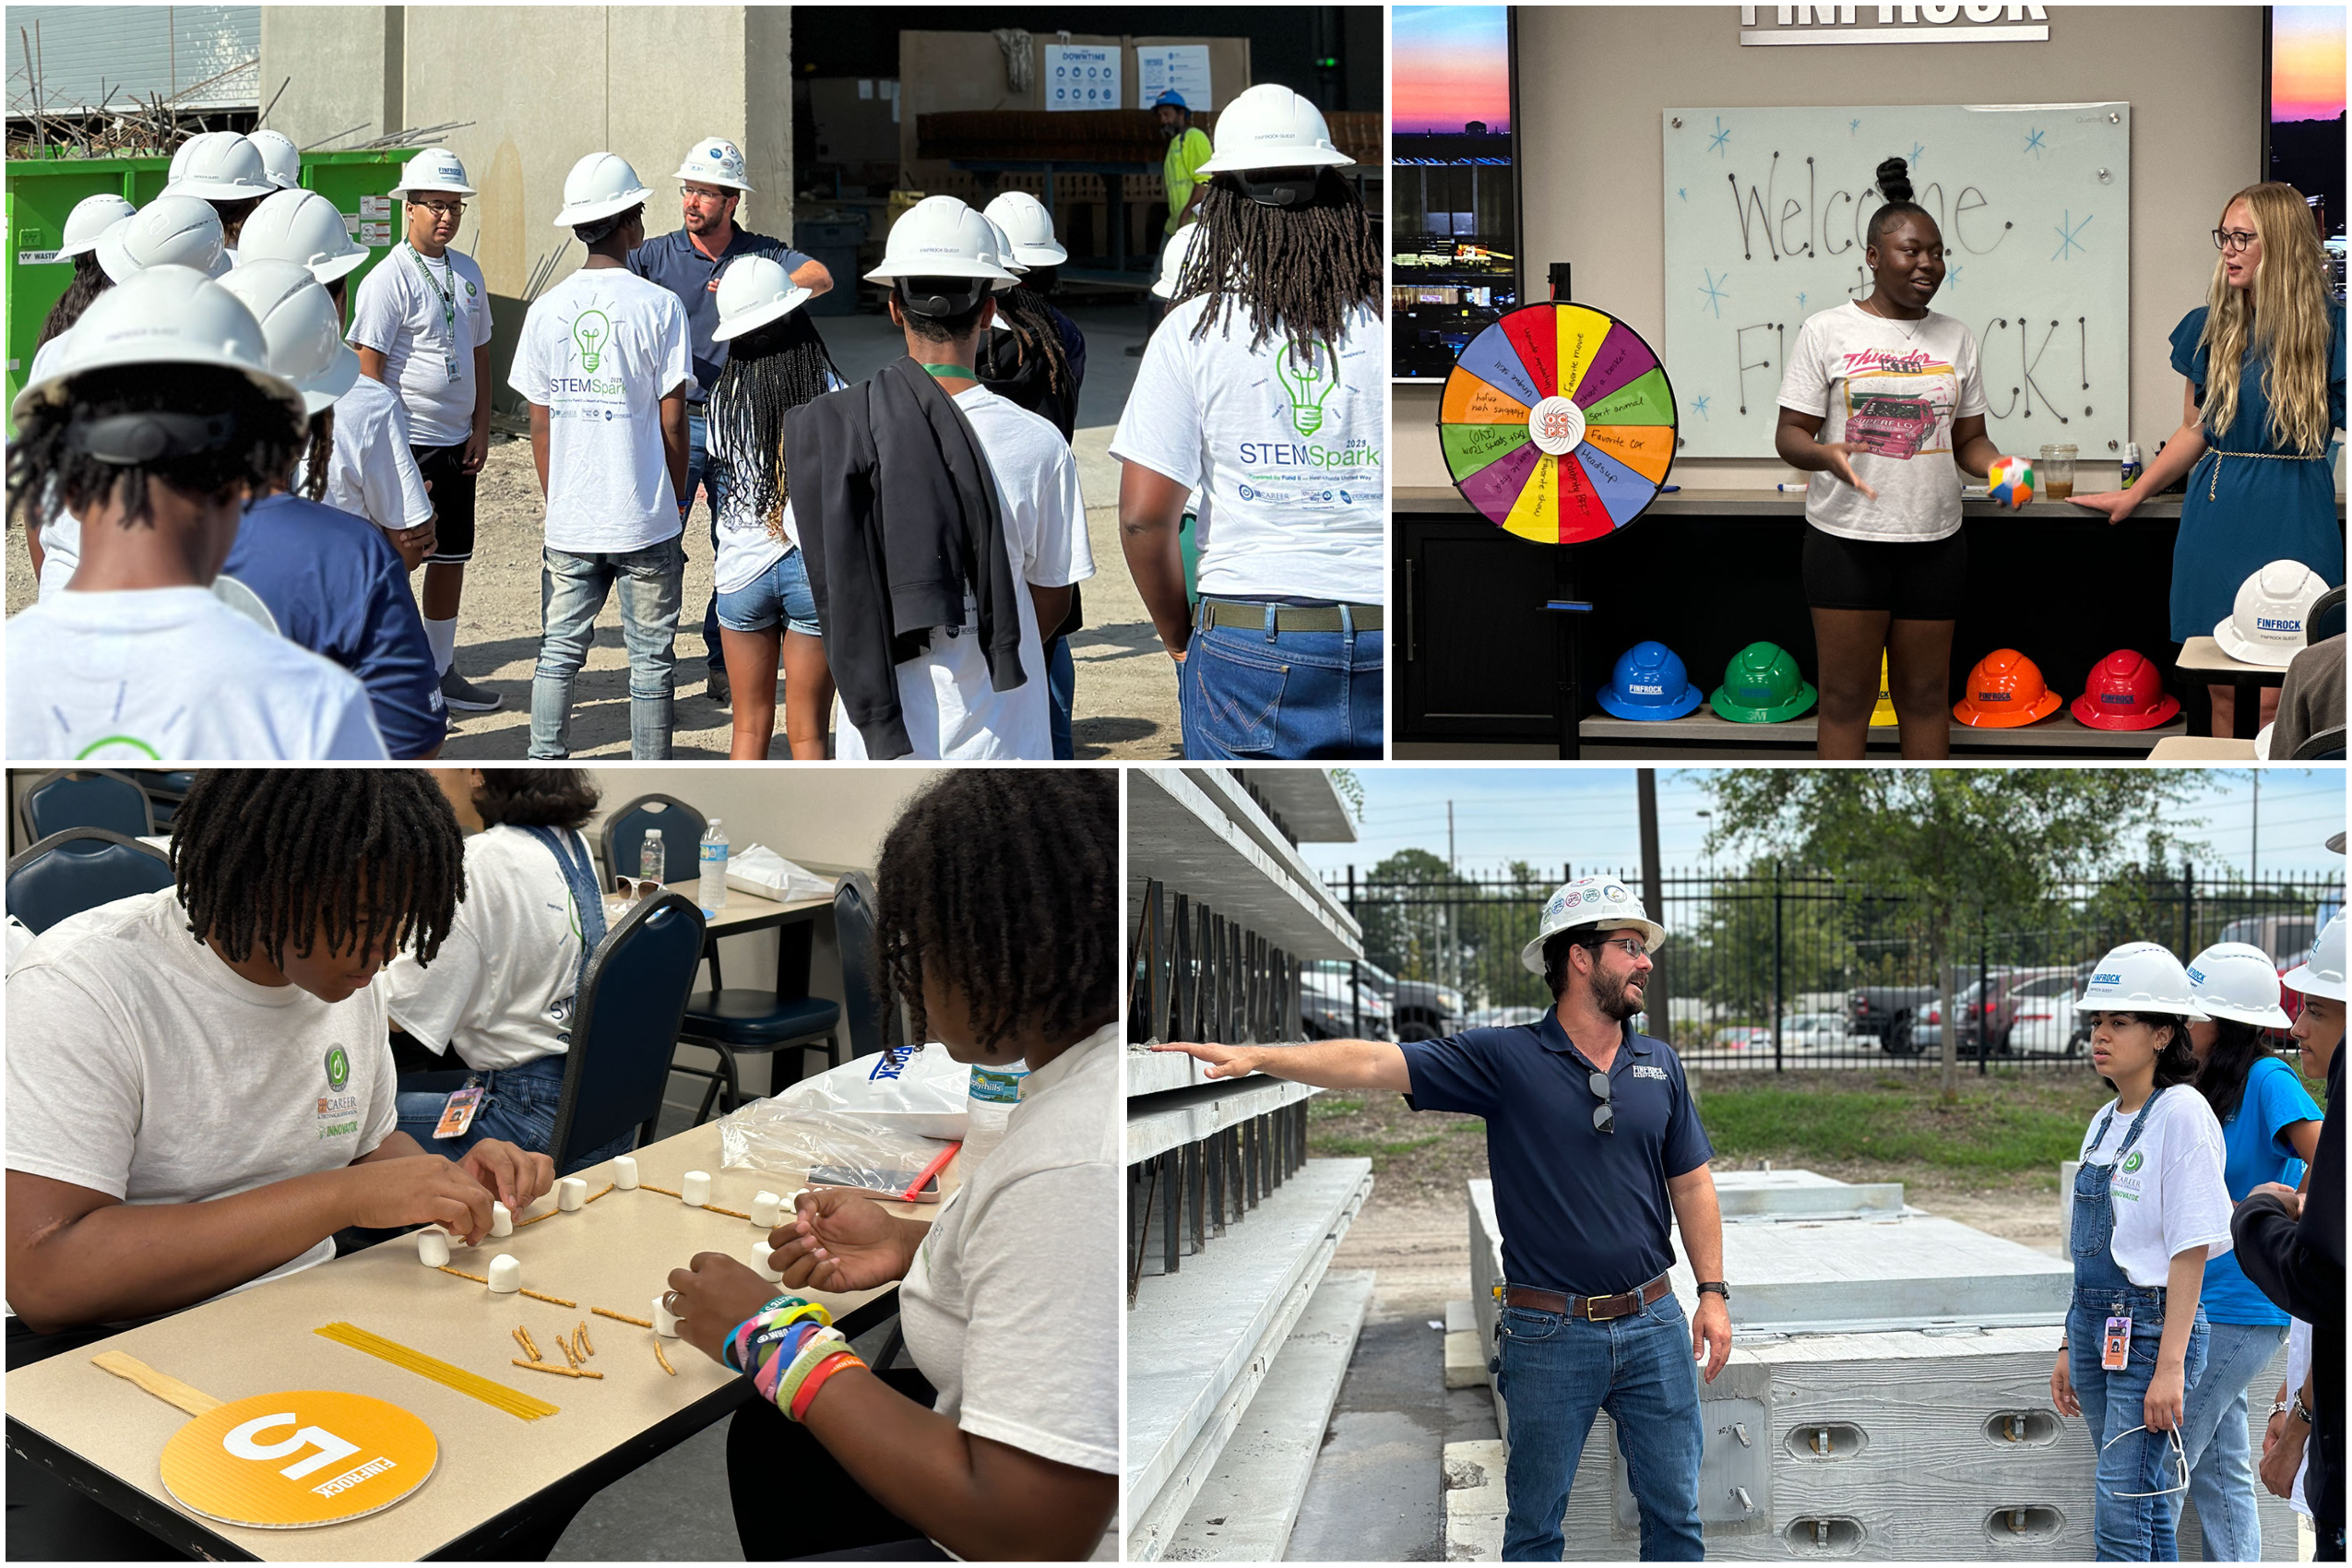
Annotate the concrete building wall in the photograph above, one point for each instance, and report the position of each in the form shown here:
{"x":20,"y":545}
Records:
{"x":1593,"y":80}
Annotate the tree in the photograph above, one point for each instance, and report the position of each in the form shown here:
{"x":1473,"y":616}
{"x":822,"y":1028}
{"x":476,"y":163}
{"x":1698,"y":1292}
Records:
{"x":1965,"y":846}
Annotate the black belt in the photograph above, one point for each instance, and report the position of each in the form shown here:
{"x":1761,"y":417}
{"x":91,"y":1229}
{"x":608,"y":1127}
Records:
{"x":1595,"y":1309}
{"x":1287,"y":617}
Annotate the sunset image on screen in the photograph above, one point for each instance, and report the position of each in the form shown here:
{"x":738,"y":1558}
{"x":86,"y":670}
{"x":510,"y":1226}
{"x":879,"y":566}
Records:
{"x":2306,"y":62}
{"x":1453,"y":65}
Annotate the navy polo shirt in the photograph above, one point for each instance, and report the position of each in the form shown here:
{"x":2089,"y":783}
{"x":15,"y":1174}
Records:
{"x":674,"y":263}
{"x":1582,"y":1212}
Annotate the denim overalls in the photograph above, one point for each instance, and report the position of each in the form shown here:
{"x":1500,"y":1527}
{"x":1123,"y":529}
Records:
{"x":2126,"y":1529}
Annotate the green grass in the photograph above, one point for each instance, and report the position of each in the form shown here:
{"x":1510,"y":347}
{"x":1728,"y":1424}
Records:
{"x":1356,"y":1148}
{"x":1990,"y":1131}
{"x":1330,"y":1108}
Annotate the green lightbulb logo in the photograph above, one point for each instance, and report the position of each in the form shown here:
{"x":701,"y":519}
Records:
{"x":591,"y":330}
{"x":1306,"y":383}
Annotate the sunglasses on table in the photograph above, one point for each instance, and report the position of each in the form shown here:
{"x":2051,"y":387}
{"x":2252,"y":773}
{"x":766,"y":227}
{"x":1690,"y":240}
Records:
{"x":629,"y":890}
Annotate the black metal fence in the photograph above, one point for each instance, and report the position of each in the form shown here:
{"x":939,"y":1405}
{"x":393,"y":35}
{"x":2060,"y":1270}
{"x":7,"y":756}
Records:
{"x":1773,"y":968}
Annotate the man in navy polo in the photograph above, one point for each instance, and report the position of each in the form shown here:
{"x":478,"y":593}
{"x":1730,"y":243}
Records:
{"x":1592,"y":1140}
{"x":687,"y":262}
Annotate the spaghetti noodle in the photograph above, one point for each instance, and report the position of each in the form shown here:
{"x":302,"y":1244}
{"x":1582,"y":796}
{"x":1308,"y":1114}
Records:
{"x":513,"y":1401}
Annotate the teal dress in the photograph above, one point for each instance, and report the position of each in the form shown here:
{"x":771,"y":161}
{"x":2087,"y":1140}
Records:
{"x":2244,"y":511}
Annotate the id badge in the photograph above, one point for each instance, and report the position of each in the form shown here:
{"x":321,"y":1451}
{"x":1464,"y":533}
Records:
{"x":2115,"y":1347}
{"x":453,"y":368}
{"x":458,"y":1114}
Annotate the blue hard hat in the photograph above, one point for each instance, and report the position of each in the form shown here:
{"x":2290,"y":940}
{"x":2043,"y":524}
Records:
{"x":1170,"y":99}
{"x":1649,"y":682}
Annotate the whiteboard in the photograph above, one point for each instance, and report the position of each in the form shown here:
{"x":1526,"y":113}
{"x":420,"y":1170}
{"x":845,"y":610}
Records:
{"x":1765,"y":213}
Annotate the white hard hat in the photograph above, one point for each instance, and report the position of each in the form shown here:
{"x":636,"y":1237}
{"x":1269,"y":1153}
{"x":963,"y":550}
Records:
{"x":280,"y":159}
{"x":2262,"y":741}
{"x":2265,"y":626}
{"x":220,"y":166}
{"x":2320,"y":974}
{"x":1172,"y":257}
{"x":940,"y":237}
{"x":752,"y":291}
{"x":170,"y":230}
{"x":600,"y":185}
{"x":713,"y":161}
{"x":1005,"y":256}
{"x":2141,"y":977}
{"x":435,"y":169}
{"x":91,"y":216}
{"x":2238,"y":982}
{"x":301,"y":227}
{"x":164,"y":314}
{"x":1601,"y":901}
{"x":1030,"y":228}
{"x":1271,"y":127}
{"x":301,"y":326}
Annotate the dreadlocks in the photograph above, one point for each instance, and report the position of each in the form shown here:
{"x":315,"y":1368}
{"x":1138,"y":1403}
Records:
{"x":771,"y":371}
{"x":1300,"y":272}
{"x":1036,"y":336}
{"x":47,"y":473}
{"x":89,"y":281}
{"x":1003,"y":885}
{"x":268,"y":858}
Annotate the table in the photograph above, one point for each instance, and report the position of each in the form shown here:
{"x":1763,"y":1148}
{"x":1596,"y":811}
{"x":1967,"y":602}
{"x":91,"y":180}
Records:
{"x":2202,"y":748}
{"x":2202,"y":656}
{"x":1115,"y":193}
{"x":499,"y":1475}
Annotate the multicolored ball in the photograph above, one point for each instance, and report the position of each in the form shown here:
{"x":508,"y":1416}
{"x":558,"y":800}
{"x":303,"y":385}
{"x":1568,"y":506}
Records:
{"x":2012,"y":479}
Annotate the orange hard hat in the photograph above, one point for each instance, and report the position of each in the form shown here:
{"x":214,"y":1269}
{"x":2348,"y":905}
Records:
{"x":2126,"y":692}
{"x":2006,"y":692}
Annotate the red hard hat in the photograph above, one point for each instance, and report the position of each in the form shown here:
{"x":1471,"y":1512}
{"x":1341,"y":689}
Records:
{"x":2126,"y":692}
{"x":2006,"y":692}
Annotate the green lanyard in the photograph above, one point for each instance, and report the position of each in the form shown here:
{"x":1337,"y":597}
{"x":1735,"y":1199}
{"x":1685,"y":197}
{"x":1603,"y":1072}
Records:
{"x":945,"y":372}
{"x":446,"y":293}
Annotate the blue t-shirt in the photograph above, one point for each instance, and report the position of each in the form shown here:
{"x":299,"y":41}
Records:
{"x":672,"y":261}
{"x":336,"y":586}
{"x":2255,"y":1150}
{"x":1582,"y":1212}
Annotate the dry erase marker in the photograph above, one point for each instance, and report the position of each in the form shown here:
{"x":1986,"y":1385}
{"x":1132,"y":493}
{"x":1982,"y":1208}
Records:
{"x":1790,"y":487}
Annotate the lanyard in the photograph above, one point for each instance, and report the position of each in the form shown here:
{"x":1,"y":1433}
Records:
{"x":2130,"y":1135}
{"x":947,"y":372}
{"x":446,"y":292}
{"x":580,"y":877}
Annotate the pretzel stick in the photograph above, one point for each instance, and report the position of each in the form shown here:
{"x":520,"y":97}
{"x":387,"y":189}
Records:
{"x":662,"y":1358}
{"x":537,"y":1217}
{"x":556,"y":1301}
{"x":729,"y":1213}
{"x":462,"y":1274}
{"x":600,"y":1192}
{"x":559,"y":1371}
{"x":621,"y":1317}
{"x":524,"y":1341}
{"x":565,"y":1345}
{"x":531,"y":1346}
{"x":586,"y":1350}
{"x":665,"y":1192}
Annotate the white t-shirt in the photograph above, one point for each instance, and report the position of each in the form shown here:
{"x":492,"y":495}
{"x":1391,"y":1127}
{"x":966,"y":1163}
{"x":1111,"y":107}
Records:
{"x":1895,"y":387}
{"x":1293,"y":461}
{"x":173,"y":675}
{"x":1012,"y":1308}
{"x":2169,"y":1194}
{"x":502,"y":989}
{"x":600,"y":350}
{"x":371,"y":471}
{"x":2299,"y":1367}
{"x":745,"y":547}
{"x":951,"y":710}
{"x":426,"y":318}
{"x":140,"y":1065}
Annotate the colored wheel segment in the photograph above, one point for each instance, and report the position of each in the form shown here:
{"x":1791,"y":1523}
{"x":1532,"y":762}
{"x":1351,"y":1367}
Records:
{"x":1557,"y":424}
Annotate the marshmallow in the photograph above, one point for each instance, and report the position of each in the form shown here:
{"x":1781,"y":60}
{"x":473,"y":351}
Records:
{"x":433,"y":1246}
{"x":502,"y":1222}
{"x":765,"y":1209}
{"x":505,"y":1275}
{"x":694,"y":1187}
{"x":665,"y":1322}
{"x":760,"y":1252}
{"x":571,"y":1191}
{"x":624,"y":1172}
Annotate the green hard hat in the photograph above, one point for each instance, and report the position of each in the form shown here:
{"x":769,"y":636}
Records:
{"x":1761,"y":685}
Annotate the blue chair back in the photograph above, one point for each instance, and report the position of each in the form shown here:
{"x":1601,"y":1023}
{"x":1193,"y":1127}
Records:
{"x":624,"y":1027}
{"x":2325,"y":618}
{"x":861,"y":983}
{"x":681,"y":829}
{"x":85,"y":798}
{"x":166,"y":788}
{"x":80,"y":868}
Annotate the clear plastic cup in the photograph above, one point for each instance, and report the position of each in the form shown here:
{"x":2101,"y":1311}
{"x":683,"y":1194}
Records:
{"x":2056,"y":472}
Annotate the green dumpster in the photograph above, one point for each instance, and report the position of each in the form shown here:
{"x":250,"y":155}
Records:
{"x":42,"y":191}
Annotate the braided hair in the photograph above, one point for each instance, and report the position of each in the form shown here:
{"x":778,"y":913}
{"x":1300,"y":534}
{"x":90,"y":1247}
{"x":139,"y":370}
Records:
{"x":271,"y":858}
{"x":1895,"y":184}
{"x":1299,"y":272}
{"x":536,"y":797}
{"x":1003,"y":883}
{"x":1037,"y":336}
{"x":89,"y":281}
{"x":771,"y":371}
{"x":47,"y":475}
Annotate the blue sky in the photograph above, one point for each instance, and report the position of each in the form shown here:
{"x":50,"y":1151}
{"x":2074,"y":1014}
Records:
{"x":1547,"y":814}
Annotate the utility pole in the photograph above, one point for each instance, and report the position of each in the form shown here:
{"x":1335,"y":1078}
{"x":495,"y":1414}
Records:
{"x":1658,"y":1002}
{"x":2255,"y":854}
{"x":1451,"y":971}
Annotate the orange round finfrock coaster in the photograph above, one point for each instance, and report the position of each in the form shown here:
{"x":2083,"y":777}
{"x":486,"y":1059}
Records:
{"x":290,"y":1461}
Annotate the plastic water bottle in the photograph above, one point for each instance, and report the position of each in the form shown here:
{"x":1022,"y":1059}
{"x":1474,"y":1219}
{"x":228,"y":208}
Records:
{"x":650,"y":856}
{"x":988,"y":1105}
{"x":713,"y":895}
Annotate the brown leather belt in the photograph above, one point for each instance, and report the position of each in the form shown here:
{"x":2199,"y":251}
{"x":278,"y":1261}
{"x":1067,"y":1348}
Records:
{"x":1595,"y":1309}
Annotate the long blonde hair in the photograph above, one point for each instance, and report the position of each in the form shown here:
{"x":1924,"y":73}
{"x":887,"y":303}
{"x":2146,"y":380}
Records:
{"x":2286,"y":310}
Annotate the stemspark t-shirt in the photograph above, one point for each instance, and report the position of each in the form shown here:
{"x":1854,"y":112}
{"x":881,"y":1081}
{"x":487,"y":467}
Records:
{"x":1289,"y":446}
{"x":600,"y":350}
{"x":370,"y":471}
{"x":142,"y":1066}
{"x":952,"y":710}
{"x":1894,"y":387}
{"x":173,"y":675}
{"x":2167,"y":1195}
{"x":426,"y":316}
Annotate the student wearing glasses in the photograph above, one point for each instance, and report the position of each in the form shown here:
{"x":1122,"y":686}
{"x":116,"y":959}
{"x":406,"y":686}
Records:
{"x":1597,"y":1152}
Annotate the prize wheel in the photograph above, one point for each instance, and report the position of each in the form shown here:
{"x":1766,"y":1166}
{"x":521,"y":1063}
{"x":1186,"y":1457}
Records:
{"x":1557,"y":424}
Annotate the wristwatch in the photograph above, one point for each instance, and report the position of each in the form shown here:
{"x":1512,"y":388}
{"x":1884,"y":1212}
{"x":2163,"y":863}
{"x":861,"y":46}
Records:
{"x":1717,"y":1287}
{"x":2301,"y":1412}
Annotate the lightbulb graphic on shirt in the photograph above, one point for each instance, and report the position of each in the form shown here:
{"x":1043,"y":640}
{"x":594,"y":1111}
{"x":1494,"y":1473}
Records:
{"x":1304,"y":380}
{"x":592,"y":329}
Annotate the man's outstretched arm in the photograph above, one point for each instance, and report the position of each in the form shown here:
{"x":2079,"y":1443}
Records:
{"x":1327,"y":1064}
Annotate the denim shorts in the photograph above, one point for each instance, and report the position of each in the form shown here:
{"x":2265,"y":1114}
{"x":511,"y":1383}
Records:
{"x":779,"y":593}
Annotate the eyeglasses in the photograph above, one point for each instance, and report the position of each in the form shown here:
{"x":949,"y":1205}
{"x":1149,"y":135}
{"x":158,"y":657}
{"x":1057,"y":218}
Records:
{"x":2178,"y":1459}
{"x":442,"y":209}
{"x":1604,"y":1115}
{"x":2233,"y":239}
{"x":1634,"y":945}
{"x":631,"y":888}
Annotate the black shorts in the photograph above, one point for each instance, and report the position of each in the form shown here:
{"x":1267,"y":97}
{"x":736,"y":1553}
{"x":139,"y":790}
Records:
{"x":1910,"y":582}
{"x":453,"y":501}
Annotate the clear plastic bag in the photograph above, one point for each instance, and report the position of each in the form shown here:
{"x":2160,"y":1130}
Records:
{"x":825,"y":1148}
{"x":913,"y":1089}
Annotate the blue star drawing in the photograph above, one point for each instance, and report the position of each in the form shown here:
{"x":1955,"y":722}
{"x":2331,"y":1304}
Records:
{"x":1800,"y":300}
{"x":1722,"y":134}
{"x":1699,"y":404}
{"x":1918,"y":150}
{"x":2034,"y":144}
{"x":1853,"y":126}
{"x":1683,"y":192}
{"x":1713,"y":290}
{"x":2070,"y":236}
{"x":1952,"y":279}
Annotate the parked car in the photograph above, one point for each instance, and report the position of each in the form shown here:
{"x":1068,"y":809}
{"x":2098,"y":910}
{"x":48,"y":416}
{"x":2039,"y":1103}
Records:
{"x":1330,"y":1008}
{"x":1815,"y":1032}
{"x":2043,"y":1023}
{"x":1420,"y":1009}
{"x":1741,"y":1037}
{"x":1502,"y":1018}
{"x":1887,"y":1013}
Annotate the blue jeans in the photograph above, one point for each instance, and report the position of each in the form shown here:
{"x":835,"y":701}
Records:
{"x":780,"y":593}
{"x":1556,"y":1373}
{"x":572,"y":589}
{"x":2128,"y":1528}
{"x":700,"y":471}
{"x":519,"y":1107}
{"x":1061,"y":686}
{"x":2212,"y":1430}
{"x":1245,"y":694}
